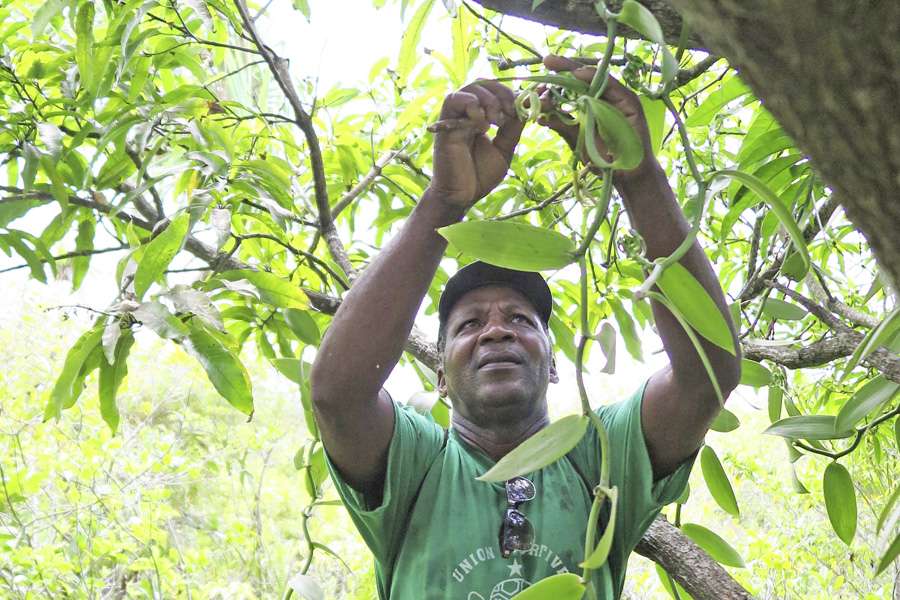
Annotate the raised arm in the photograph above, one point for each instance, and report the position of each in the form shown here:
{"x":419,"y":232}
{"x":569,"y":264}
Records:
{"x":679,"y":401}
{"x":366,"y":337}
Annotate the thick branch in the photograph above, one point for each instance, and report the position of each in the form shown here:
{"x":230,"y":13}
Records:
{"x":688,"y":564}
{"x":278,"y":67}
{"x":580,"y":15}
{"x":823,"y":352}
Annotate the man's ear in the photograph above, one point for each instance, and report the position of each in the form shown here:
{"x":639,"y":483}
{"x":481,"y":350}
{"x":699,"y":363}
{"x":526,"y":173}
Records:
{"x":554,"y":376}
{"x":441,"y":383}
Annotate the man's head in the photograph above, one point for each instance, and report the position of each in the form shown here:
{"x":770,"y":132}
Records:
{"x":494,"y":342}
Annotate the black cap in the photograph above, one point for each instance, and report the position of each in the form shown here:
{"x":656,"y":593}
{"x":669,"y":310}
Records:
{"x":480,"y":274}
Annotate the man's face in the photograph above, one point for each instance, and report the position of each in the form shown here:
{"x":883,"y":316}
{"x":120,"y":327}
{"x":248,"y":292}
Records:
{"x":497,"y":357}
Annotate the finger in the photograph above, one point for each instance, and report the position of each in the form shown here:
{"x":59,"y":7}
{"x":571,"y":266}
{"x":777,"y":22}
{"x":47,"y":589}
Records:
{"x":569,"y":133}
{"x":563,"y":64}
{"x":489,"y":103}
{"x":615,"y":92}
{"x":508,"y":137}
{"x":504,"y":95}
{"x":457,"y":105}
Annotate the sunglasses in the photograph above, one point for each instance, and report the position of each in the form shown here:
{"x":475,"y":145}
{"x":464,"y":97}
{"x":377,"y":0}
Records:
{"x":516,"y":532}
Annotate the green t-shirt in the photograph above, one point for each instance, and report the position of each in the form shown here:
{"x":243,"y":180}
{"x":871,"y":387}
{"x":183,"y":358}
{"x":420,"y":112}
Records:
{"x":435,"y":533}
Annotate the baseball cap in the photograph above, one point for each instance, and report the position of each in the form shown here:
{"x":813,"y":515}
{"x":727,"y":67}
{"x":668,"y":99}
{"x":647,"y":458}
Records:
{"x":479,"y":274}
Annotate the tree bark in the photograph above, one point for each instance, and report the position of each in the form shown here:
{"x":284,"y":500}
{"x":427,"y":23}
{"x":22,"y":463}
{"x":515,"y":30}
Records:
{"x":688,"y":564}
{"x":828,"y":71}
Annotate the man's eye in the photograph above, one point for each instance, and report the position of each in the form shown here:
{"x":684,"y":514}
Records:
{"x":468,"y":323}
{"x":520,"y":318}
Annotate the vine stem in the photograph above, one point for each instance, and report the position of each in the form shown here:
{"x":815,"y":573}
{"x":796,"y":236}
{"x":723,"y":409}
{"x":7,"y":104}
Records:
{"x":605,"y":195}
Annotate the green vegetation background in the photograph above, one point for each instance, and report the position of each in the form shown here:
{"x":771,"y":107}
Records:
{"x":189,"y":500}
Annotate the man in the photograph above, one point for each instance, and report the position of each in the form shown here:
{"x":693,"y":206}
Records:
{"x":410,"y":486}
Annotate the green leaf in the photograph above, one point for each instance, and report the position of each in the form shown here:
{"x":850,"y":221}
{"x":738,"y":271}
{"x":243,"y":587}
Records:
{"x":776,"y":394}
{"x":729,"y":90}
{"x":766,"y":195}
{"x":886,"y":510}
{"x":840,"y":501}
{"x":793,"y":267}
{"x":601,"y":551}
{"x":536,"y":3}
{"x":564,"y":586}
{"x":291,"y":368}
{"x":410,"y":40}
{"x":303,"y":7}
{"x":717,"y":481}
{"x":57,"y":183}
{"x":303,"y":325}
{"x":224,"y":369}
{"x":636,"y":16}
{"x":715,"y":546}
{"x":84,"y":242}
{"x":808,"y":427}
{"x":754,"y":374}
{"x":880,"y":336}
{"x":867,"y":399}
{"x":725,"y":421}
{"x":627,"y":328}
{"x":889,"y":555}
{"x":617,"y":134}
{"x":786,"y":311}
{"x":158,"y":318}
{"x":272,"y":289}
{"x":541,"y":449}
{"x":84,"y":44}
{"x":666,"y":580}
{"x":698,"y":309}
{"x":111,"y":376}
{"x":607,"y":339}
{"x":511,"y":245}
{"x":159,"y":253}
{"x":655,"y":114}
{"x":68,"y":385}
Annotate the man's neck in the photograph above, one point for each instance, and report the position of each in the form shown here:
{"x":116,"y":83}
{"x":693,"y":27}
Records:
{"x":498,"y":441}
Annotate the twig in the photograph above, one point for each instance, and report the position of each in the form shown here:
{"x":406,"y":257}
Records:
{"x":860,"y":432}
{"x":72,"y":199}
{"x":364,"y":183}
{"x":819,"y":311}
{"x":278,"y":67}
{"x":557,"y":195}
{"x":69,"y":255}
{"x":297,"y":252}
{"x":518,"y":43}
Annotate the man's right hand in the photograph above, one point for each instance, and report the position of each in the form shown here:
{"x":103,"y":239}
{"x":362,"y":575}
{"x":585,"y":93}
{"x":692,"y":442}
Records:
{"x":467,"y":163}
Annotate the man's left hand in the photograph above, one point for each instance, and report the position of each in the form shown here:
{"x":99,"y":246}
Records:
{"x":615,"y":94}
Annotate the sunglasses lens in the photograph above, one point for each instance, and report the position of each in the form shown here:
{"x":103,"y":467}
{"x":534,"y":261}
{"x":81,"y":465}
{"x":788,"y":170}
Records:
{"x":516,"y":533}
{"x":519,"y":489}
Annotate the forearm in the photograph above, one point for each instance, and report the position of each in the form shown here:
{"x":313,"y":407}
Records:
{"x":657,"y":217}
{"x":368,"y":332}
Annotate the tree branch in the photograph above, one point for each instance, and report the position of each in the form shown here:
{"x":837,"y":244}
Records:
{"x":682,"y":77}
{"x":278,"y":67}
{"x":688,"y":564}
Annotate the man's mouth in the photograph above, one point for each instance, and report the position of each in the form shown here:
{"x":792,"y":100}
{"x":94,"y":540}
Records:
{"x":499,"y":360}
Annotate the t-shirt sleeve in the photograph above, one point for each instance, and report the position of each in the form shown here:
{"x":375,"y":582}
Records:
{"x":415,"y":444}
{"x":640,"y":498}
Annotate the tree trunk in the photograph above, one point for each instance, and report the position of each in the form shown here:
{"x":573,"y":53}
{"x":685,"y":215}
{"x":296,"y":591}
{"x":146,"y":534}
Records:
{"x":828,"y":71}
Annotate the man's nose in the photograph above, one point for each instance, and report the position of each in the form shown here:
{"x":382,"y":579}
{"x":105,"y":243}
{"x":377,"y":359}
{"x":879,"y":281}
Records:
{"x":497,"y":329}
